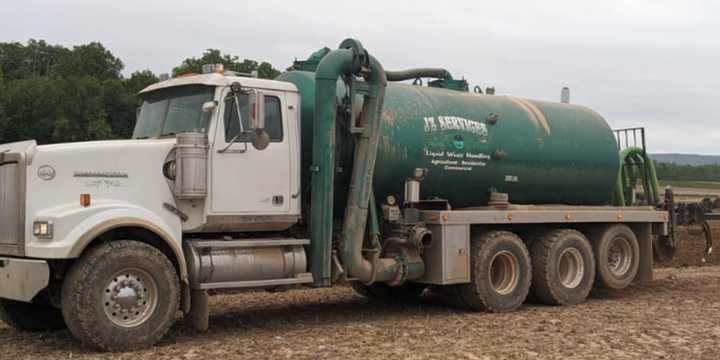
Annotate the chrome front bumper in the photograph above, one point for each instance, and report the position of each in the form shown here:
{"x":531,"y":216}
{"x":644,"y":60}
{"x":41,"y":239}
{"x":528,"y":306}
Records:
{"x":22,"y":279}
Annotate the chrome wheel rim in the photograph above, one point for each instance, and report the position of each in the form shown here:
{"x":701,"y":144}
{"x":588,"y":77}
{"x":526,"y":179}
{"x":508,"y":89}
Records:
{"x":504,"y":272}
{"x":570,"y":268}
{"x":130,"y":297}
{"x":619,"y":256}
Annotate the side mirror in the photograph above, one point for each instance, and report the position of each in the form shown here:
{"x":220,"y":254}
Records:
{"x":207,"y":110}
{"x":257,"y":115}
{"x":209,"y":107}
{"x":260,"y":139}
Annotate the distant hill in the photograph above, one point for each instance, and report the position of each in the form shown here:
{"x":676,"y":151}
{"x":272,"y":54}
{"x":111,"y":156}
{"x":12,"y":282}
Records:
{"x":687,"y":159}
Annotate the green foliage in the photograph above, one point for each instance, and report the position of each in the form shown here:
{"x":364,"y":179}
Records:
{"x":52,"y":94}
{"x":37,"y":58}
{"x":139,"y":80}
{"x":230,"y":62}
{"x":669,"y":171}
{"x":55,"y":110}
{"x":91,"y":60}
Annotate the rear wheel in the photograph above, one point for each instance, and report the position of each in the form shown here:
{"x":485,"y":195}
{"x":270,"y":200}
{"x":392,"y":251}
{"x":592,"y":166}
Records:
{"x":121,"y":296}
{"x":31,"y":317}
{"x":500,"y":273}
{"x":563,"y":267}
{"x":385,"y":292}
{"x":618,"y":256}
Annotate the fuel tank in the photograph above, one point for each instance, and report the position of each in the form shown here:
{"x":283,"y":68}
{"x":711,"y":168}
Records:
{"x":537,"y":152}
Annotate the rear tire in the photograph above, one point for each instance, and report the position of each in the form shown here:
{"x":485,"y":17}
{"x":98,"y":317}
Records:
{"x":121,"y":296}
{"x":501,"y":273}
{"x":31,"y":317}
{"x":617,"y":254}
{"x":563,"y":267}
{"x":384,"y":292}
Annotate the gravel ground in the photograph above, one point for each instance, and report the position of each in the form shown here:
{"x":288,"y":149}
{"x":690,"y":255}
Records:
{"x":677,"y":316}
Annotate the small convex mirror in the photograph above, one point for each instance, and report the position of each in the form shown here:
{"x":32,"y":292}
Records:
{"x":207,"y":110}
{"x":209,"y":106}
{"x":235,"y":87}
{"x":260,"y":139}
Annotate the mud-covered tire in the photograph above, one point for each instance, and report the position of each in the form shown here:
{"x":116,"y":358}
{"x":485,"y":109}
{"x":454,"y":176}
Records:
{"x":563,"y":267}
{"x":146,"y":293}
{"x":383,"y":292}
{"x":617,"y":254}
{"x":31,"y":317}
{"x":501,"y":273}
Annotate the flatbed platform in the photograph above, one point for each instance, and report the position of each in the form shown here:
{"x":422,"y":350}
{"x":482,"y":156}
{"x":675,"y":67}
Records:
{"x":543,"y":214}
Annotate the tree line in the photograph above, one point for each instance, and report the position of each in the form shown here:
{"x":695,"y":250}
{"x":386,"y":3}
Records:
{"x":53,"y":93}
{"x":671,"y":171}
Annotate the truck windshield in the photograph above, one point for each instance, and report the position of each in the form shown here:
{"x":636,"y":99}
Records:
{"x":170,"y":111}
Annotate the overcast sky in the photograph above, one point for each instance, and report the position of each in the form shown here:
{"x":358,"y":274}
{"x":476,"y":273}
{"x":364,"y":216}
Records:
{"x":638,"y":63}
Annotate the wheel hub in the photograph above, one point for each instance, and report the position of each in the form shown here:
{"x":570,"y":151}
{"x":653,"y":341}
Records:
{"x":571,"y":268}
{"x":504,"y":269}
{"x":130,"y":297}
{"x":619,"y":257}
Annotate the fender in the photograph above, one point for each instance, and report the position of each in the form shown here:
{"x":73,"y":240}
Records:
{"x":76,"y":227}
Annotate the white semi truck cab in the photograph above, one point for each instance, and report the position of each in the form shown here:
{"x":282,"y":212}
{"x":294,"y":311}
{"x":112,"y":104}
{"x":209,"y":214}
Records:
{"x":112,"y":238}
{"x":191,"y":167}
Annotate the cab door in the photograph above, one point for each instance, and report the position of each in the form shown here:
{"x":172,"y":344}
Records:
{"x":245,"y":180}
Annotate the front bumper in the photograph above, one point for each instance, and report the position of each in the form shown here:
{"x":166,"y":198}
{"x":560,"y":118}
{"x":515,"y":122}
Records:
{"x":22,"y":279}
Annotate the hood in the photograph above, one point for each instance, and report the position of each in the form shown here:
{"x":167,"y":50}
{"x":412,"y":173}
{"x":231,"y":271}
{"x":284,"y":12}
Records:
{"x":116,"y":171}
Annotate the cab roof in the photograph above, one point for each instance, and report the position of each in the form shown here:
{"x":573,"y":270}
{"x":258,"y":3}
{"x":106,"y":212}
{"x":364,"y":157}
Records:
{"x":217,"y":79}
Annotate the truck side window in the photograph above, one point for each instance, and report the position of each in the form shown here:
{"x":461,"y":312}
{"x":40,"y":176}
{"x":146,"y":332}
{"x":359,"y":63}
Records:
{"x":273,"y":118}
{"x":232,"y":125}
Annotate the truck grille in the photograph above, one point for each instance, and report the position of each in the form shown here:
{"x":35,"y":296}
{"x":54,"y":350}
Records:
{"x":12,"y":212}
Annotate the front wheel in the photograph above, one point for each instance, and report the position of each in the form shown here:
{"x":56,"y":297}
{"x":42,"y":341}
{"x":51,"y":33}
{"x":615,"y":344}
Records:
{"x":121,"y":296}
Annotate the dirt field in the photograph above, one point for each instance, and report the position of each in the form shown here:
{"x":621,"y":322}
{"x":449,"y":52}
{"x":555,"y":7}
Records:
{"x":677,"y":316}
{"x":692,"y":246}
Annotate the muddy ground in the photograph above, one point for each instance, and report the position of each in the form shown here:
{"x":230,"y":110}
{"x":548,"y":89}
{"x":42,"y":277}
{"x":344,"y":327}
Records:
{"x":677,"y":316}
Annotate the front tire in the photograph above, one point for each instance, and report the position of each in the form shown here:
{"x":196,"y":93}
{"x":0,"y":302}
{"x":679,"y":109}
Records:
{"x":121,"y":296}
{"x":31,"y":317}
{"x":501,"y":273}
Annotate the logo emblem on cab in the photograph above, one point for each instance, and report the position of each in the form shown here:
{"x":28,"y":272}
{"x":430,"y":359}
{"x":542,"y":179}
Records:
{"x":46,"y":172}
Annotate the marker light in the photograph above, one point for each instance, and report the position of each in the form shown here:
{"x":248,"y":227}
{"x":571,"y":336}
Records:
{"x":43,"y":229}
{"x":84,"y":200}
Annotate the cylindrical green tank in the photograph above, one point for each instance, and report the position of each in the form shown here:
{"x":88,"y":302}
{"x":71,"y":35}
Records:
{"x":538,"y":152}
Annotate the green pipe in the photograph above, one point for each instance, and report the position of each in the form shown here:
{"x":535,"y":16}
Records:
{"x":627,"y":176}
{"x":418,"y":73}
{"x":349,"y":61}
{"x":332,"y":66}
{"x":356,"y":212}
{"x":360,"y":194}
{"x":374,"y":225}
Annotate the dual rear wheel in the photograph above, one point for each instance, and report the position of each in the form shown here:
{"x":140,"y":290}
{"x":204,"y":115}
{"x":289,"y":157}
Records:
{"x":561,"y":267}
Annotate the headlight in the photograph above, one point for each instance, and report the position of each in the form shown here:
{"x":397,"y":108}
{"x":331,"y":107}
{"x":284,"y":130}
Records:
{"x":43,"y":229}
